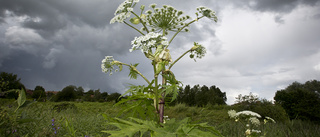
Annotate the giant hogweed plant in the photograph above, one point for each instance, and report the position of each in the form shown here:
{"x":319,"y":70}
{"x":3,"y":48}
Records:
{"x":145,"y":105}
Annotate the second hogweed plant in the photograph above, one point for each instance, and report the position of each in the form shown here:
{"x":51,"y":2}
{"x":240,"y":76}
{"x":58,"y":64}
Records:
{"x":145,"y":105}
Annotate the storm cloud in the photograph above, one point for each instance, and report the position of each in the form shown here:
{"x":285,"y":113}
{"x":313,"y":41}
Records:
{"x":256,"y":46}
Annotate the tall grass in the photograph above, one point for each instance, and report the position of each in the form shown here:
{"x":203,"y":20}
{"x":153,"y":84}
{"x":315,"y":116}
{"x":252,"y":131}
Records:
{"x":86,"y":120}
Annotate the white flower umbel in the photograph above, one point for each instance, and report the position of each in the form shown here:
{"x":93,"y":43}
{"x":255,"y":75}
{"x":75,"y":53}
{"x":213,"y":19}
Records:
{"x":255,"y":131}
{"x":251,"y":119}
{"x":248,"y":113}
{"x":107,"y":65}
{"x":123,"y":11}
{"x":232,"y":113}
{"x":147,"y":42}
{"x":269,"y":119}
{"x":120,"y":17}
{"x":254,"y":121}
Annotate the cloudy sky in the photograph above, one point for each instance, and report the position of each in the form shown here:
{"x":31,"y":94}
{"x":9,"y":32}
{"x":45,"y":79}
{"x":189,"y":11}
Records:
{"x":257,"y":46}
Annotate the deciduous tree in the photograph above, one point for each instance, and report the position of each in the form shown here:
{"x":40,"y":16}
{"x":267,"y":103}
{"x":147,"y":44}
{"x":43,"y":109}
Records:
{"x":301,"y":101}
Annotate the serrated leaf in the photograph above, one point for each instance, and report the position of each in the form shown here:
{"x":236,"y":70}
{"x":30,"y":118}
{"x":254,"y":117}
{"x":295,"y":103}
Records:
{"x":172,"y":128}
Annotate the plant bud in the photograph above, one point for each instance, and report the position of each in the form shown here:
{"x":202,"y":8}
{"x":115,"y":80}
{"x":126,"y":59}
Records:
{"x":143,"y":16}
{"x":135,"y":20}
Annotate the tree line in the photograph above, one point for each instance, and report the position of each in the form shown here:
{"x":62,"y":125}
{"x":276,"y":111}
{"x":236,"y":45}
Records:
{"x":73,"y":93}
{"x":201,"y":96}
{"x":300,"y":101}
{"x":195,"y":96}
{"x":10,"y":81}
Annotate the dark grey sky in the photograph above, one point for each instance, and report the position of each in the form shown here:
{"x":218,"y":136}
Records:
{"x":257,"y":46}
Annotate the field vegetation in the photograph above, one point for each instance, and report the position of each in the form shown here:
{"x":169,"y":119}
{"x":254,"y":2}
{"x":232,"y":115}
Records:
{"x":86,"y":119}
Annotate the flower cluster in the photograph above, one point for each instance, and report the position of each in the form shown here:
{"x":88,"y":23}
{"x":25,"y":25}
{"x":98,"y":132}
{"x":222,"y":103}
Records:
{"x":208,"y":13}
{"x":54,"y":127}
{"x":269,"y":119}
{"x":165,"y":118}
{"x":147,"y":42}
{"x":198,"y":50}
{"x":107,"y":65}
{"x":165,"y":18}
{"x":248,"y":113}
{"x":123,"y":11}
{"x":251,"y":118}
{"x":232,"y":113}
{"x":255,"y":121}
{"x":251,"y":132}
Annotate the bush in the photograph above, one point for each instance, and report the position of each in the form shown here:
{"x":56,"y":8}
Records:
{"x":67,"y":94}
{"x":301,"y":101}
{"x":264,"y":108}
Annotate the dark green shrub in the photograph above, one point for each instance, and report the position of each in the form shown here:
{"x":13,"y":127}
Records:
{"x":301,"y":101}
{"x":264,"y":108}
{"x":67,"y":94}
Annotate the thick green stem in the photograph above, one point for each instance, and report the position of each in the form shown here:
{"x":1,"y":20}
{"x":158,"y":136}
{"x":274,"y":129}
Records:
{"x":179,"y":58}
{"x":135,"y":69}
{"x":162,"y":101}
{"x":143,"y":23}
{"x":133,"y":27}
{"x":181,"y":30}
{"x":156,"y":100}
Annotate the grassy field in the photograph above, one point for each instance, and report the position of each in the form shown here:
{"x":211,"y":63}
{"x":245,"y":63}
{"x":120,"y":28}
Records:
{"x":85,"y":119}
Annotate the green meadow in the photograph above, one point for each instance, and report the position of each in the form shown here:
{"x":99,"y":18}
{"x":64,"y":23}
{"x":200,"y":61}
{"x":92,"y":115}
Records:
{"x":39,"y":119}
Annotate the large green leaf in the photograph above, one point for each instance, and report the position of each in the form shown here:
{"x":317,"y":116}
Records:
{"x":172,"y":128}
{"x":22,"y":97}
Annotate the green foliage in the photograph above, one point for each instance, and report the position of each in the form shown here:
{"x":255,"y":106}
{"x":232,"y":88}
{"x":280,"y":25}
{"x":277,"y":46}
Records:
{"x":171,"y":128}
{"x":133,"y":72}
{"x":9,"y":81}
{"x":64,"y":106}
{"x":172,"y":87}
{"x":202,"y":96}
{"x":262,"y":106}
{"x":301,"y":101}
{"x":21,"y":99}
{"x":114,"y":97}
{"x":70,"y":128}
{"x":67,"y":94}
{"x":35,"y":119}
{"x":104,"y":95}
{"x":12,"y":120}
{"x":138,"y":104}
{"x":39,"y":93}
{"x":79,"y":92}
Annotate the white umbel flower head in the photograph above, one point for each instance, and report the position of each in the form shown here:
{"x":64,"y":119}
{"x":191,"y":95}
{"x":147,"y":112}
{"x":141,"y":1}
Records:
{"x":107,"y":65}
{"x":123,"y":11}
{"x":232,"y":113}
{"x":248,"y":113}
{"x":255,"y":121}
{"x":148,"y":41}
